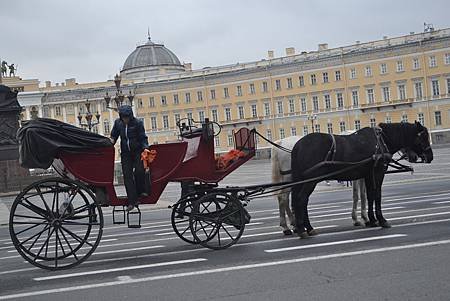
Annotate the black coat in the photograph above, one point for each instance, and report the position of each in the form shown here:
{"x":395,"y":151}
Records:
{"x":132,"y":136}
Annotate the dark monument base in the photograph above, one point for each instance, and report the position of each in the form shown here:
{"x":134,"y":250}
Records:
{"x":12,"y":176}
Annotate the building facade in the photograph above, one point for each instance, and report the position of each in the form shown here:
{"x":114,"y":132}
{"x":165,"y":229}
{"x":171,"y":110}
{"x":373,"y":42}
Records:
{"x":335,"y":90}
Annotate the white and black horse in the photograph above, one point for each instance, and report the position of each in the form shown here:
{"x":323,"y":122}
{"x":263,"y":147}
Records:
{"x":364,"y":154}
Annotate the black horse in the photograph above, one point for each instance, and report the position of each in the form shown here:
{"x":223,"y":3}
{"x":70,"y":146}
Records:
{"x":364,"y":154}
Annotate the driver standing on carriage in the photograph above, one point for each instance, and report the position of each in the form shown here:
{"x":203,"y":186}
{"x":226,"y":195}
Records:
{"x":133,"y":141}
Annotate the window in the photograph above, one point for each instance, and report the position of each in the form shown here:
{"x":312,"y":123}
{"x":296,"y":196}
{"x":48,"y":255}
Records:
{"x":448,"y":85}
{"x":435,"y":87}
{"x":313,"y":79}
{"x":383,"y":68}
{"x":404,"y":118}
{"x":189,"y":115}
{"x":289,"y":83}
{"x":153,"y":123}
{"x":303,"y":104}
{"x":315,"y":101}
{"x":386,"y":94}
{"x":293,"y":131}
{"x":357,"y":125}
{"x":421,"y":118}
{"x":213,"y":94}
{"x":226,"y":94}
{"x":201,"y":116}
{"x":342,"y":126}
{"x":106,"y":127}
{"x":291,"y":105}
{"x":368,"y":71}
{"x":317,"y":128}
{"x":269,"y":134}
{"x":199,"y":96}
{"x":227,"y":114}
{"x":69,"y":108}
{"x":416,"y":63}
{"x":282,"y":134}
{"x":177,"y":117}
{"x":187,"y":97}
{"x":163,"y":100}
{"x":418,"y":90}
{"x":239,"y":90}
{"x":370,"y":96}
{"x":330,"y":128}
{"x":217,"y":141}
{"x":305,"y":130}
{"x":352,"y":73}
{"x":254,"y":111}
{"x":151,"y":102}
{"x":340,"y":100}
{"x":401,"y":92}
{"x":388,"y":119}
{"x":57,"y":110}
{"x":264,"y":87}
{"x":175,"y":99}
{"x":230,"y":140}
{"x":241,"y":112}
{"x":400,"y":66}
{"x":337,"y":75}
{"x":325,"y":77}
{"x":432,"y":61}
{"x":267,"y":109}
{"x":447,"y":58}
{"x":373,"y":122}
{"x":301,"y":81}
{"x":280,"y":107}
{"x":327,"y":102}
{"x":165,"y":122}
{"x":437,"y":118}
{"x":95,"y":129}
{"x":214,"y":115}
{"x":105,"y":108}
{"x":277,"y":85}
{"x":252,"y":88}
{"x":355,"y":98}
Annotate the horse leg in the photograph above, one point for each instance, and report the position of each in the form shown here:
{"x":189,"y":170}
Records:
{"x":298,"y":204}
{"x":356,"y":222}
{"x":290,"y":214}
{"x":370,"y":189}
{"x":283,"y":206}
{"x":381,"y":220}
{"x":362,"y":190}
{"x":307,"y":190}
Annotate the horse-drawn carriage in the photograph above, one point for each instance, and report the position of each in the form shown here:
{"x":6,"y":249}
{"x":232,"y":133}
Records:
{"x":57,"y":223}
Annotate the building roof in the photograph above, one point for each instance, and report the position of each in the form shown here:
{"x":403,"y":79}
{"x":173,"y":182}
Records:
{"x":151,"y":55}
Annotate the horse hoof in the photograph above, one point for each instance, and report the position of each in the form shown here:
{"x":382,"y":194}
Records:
{"x":371,"y":224}
{"x":357,"y":224}
{"x":303,"y":235}
{"x":385,"y":224}
{"x":287,"y":232}
{"x":313,"y":232}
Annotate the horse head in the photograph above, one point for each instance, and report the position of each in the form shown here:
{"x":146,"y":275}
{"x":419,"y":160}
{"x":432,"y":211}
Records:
{"x":420,"y":147}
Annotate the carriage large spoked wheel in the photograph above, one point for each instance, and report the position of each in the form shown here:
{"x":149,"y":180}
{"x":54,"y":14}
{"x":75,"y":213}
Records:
{"x":217,"y":220}
{"x":56,"y":223}
{"x":181,"y":212}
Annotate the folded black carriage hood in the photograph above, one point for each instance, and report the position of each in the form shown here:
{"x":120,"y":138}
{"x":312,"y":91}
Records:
{"x":41,"y":140}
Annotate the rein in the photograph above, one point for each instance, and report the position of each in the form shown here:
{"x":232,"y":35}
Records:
{"x":272,"y":143}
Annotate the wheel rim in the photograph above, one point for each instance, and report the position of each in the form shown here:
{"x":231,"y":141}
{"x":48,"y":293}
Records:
{"x":217,"y":221}
{"x":56,"y":223}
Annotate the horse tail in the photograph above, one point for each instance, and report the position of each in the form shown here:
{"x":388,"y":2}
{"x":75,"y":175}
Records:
{"x":275,"y":161}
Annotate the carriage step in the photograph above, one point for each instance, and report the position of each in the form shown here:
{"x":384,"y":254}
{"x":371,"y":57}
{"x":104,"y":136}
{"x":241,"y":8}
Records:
{"x":131,"y":216}
{"x":120,"y":214}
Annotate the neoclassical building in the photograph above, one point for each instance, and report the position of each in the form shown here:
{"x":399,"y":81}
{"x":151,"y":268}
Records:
{"x":330,"y":90}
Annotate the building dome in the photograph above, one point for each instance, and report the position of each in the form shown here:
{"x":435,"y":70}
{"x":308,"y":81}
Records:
{"x":151,"y":59}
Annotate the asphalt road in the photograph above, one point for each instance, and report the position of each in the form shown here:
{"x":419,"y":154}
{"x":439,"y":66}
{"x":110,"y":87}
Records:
{"x":410,"y":261}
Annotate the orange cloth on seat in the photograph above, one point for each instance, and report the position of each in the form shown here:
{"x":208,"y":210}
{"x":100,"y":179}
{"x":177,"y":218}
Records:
{"x":147,"y":157}
{"x":225,"y":160}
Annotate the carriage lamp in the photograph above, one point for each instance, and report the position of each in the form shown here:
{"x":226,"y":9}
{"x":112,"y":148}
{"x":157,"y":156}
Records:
{"x":88,"y":116}
{"x":312,"y":117}
{"x":119,"y":97}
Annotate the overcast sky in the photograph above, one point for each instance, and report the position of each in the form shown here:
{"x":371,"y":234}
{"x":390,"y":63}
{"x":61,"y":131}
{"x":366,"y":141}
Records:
{"x":90,"y":40}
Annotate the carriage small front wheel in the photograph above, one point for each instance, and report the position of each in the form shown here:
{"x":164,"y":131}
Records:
{"x":56,"y":223}
{"x":217,"y":220}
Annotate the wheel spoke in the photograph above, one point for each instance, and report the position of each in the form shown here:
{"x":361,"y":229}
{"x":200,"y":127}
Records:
{"x":29,"y":228}
{"x":203,"y":228}
{"x":56,"y":243}
{"x":70,"y":201}
{"x":30,"y":223}
{"x":66,"y":222}
{"x":226,"y":231}
{"x":37,"y":238}
{"x":218,"y":235}
{"x":29,"y":216}
{"x":34,"y":208}
{"x":230,"y":214}
{"x":60,"y":243}
{"x":44,"y":245}
{"x":38,"y":189}
{"x":79,"y":239}
{"x":70,"y":246}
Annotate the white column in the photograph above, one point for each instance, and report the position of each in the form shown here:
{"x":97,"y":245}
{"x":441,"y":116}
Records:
{"x":64,"y":113}
{"x":52,"y":111}
{"x":40,"y":111}
{"x":27,"y":113}
{"x":100,"y":125}
{"x":75,"y":111}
